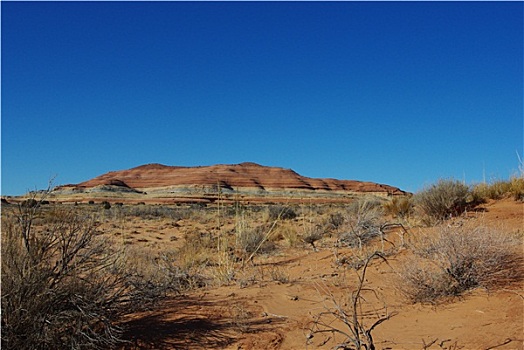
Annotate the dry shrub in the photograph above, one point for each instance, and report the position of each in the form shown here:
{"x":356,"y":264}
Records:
{"x":279,"y":275}
{"x":494,"y":190}
{"x":311,"y":235}
{"x":441,"y":200}
{"x":424,"y":282}
{"x":334,"y":221}
{"x":280,"y":212}
{"x":62,"y":284}
{"x":224,"y":270}
{"x":456,"y":259}
{"x":362,"y":223}
{"x":352,"y":318}
{"x":254,"y":240}
{"x":251,"y":241}
{"x":153,"y":212}
{"x":240,"y":317}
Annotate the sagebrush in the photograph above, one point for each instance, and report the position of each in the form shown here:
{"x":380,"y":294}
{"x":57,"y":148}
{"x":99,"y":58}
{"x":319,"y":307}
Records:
{"x":457,"y":259}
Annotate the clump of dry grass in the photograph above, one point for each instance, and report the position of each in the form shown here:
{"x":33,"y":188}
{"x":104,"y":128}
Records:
{"x":498,"y":189}
{"x":517,"y":187}
{"x":290,"y":234}
{"x":456,"y":259}
{"x":155,"y":273}
{"x":494,"y":190}
{"x":279,"y":275}
{"x":196,"y":250}
{"x":399,"y":207}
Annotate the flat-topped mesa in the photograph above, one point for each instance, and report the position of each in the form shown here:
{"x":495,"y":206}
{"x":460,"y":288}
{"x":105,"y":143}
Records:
{"x":158,"y":177}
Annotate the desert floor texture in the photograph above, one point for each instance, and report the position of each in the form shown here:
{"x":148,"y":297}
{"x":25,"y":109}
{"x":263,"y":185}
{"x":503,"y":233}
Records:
{"x":271,"y":302}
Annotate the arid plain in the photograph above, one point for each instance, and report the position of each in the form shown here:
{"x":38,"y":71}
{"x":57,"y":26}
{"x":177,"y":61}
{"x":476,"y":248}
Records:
{"x":280,"y":269}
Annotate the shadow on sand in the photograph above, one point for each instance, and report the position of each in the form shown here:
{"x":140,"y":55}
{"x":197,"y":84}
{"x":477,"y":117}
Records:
{"x":190,"y":323}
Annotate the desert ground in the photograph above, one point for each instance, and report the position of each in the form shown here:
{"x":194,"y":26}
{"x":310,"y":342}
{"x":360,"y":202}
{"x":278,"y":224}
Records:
{"x":271,"y":303}
{"x":275,"y":295}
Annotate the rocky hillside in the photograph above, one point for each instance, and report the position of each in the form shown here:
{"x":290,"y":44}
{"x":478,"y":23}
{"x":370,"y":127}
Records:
{"x":245,"y":178}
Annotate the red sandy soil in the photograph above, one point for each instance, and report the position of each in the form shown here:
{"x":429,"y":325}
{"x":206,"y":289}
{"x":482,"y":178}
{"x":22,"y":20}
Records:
{"x":268,"y":314}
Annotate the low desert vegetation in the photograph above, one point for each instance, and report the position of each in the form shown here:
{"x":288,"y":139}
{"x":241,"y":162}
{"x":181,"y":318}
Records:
{"x":498,"y":189}
{"x":280,"y":212}
{"x":442,"y":200}
{"x":457,"y":259}
{"x":71,"y":272}
{"x":64,"y":284}
{"x":400,"y":207}
{"x":63,"y":287}
{"x":362,"y":223}
{"x":350,"y":321}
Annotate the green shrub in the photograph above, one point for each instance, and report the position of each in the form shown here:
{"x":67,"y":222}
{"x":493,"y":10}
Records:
{"x":442,"y":200}
{"x":30,"y":203}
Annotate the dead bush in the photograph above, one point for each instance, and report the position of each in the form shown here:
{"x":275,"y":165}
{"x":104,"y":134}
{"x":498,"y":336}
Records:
{"x":362,"y":223}
{"x":354,"y":317}
{"x":457,"y":259}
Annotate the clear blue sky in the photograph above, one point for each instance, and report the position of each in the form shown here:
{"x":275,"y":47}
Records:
{"x":400,"y":93}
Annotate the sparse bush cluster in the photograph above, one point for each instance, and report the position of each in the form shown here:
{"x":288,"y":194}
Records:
{"x":151,"y":212}
{"x":64,"y":285}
